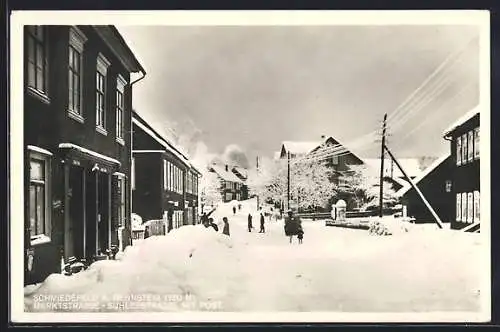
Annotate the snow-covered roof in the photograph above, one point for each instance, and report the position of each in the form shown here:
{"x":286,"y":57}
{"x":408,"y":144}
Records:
{"x":410,"y":165}
{"x":241,"y":170}
{"x":152,"y":133}
{"x":88,"y":152}
{"x":225,"y":175}
{"x":423,"y":174}
{"x":466,"y":117}
{"x":300,"y":147}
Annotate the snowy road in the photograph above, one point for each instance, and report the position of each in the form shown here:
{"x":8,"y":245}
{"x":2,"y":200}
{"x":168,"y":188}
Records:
{"x":335,"y":269}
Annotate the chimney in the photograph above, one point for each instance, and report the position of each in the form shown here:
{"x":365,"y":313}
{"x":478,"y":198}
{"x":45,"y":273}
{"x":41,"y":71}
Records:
{"x":227,"y":168}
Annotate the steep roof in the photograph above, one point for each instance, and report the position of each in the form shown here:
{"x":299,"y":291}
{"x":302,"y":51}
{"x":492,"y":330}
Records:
{"x":148,"y":129}
{"x":426,"y":172}
{"x":225,"y":175}
{"x":242,"y":171}
{"x":338,"y":149}
{"x":460,"y":121}
{"x":299,"y":147}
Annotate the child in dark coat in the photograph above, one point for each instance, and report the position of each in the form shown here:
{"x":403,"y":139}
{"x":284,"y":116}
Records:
{"x":300,"y":234}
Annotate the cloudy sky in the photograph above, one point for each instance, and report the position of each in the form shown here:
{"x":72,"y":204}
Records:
{"x":257,"y":86}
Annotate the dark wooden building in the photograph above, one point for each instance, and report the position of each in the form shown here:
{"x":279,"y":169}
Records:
{"x":465,"y":152}
{"x":77,"y":120}
{"x":165,"y":184}
{"x":435,"y":183}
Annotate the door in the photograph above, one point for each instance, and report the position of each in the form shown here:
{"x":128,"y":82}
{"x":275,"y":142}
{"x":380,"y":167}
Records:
{"x":90,"y":213}
{"x":103,"y":216}
{"x":76,"y":213}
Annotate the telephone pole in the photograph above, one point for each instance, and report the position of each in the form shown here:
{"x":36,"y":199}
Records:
{"x":382,"y":154}
{"x":288,"y":182}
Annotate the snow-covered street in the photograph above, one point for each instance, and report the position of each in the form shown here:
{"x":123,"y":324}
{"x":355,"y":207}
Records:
{"x":335,"y":269}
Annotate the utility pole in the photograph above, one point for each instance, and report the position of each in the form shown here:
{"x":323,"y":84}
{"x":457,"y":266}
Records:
{"x":382,"y":154}
{"x":288,"y":182}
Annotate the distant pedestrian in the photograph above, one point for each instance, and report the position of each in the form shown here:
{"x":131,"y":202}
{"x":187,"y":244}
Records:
{"x":262,"y":229}
{"x":234,"y":209}
{"x":146,"y":232}
{"x":225,"y":230}
{"x":250,"y":226}
{"x":239,"y":207}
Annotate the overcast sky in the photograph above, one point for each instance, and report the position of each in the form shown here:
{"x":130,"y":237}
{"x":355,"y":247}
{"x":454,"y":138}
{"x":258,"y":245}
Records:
{"x":258,"y":86}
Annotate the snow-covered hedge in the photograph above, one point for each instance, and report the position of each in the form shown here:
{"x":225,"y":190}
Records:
{"x":389,"y":226}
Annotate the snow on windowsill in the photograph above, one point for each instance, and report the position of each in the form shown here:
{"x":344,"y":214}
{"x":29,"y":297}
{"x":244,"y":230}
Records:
{"x":101,"y":130}
{"x":76,"y":116}
{"x":120,"y":141}
{"x":38,"y":94}
{"x":40,"y":239}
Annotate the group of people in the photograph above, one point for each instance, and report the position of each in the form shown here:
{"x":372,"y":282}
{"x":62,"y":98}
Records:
{"x":209,"y":222}
{"x":293,"y":224}
{"x":262,"y":222}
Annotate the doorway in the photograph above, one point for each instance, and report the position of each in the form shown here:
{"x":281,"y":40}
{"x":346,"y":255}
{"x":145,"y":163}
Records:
{"x":76,"y":229}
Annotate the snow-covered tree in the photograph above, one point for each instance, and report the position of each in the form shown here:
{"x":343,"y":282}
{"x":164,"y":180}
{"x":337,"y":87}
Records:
{"x":363,"y":183}
{"x":310,"y":182}
{"x":210,"y":189}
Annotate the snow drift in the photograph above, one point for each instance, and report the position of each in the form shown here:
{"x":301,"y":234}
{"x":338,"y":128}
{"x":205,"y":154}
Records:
{"x":190,"y":265}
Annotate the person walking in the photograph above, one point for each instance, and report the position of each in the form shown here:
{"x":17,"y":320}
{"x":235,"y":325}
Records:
{"x":262,"y":220}
{"x":250,"y":226}
{"x":225,"y":230}
{"x":234,"y":209}
{"x":300,"y":234}
{"x":291,"y":225}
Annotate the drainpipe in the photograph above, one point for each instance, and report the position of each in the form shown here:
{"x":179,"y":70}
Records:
{"x":131,"y":146}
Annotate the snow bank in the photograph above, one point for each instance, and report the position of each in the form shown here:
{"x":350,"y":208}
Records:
{"x":174,"y":272}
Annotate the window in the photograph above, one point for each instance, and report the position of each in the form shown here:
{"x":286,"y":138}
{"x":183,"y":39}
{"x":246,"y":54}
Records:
{"x":477,"y":207}
{"x":470,"y":207}
{"x":335,"y":160}
{"x":476,"y":143}
{"x":102,"y":67}
{"x":448,"y":186}
{"x":171,"y":177}
{"x":37,"y":59}
{"x":464,"y":207}
{"x":470,"y":147}
{"x":75,"y":51}
{"x":38,"y":202}
{"x":464,"y":148}
{"x":120,"y":92}
{"x":459,"y":150}
{"x":165,"y":174}
{"x":133,"y":173}
{"x":229,"y":196}
{"x":459,"y":207}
